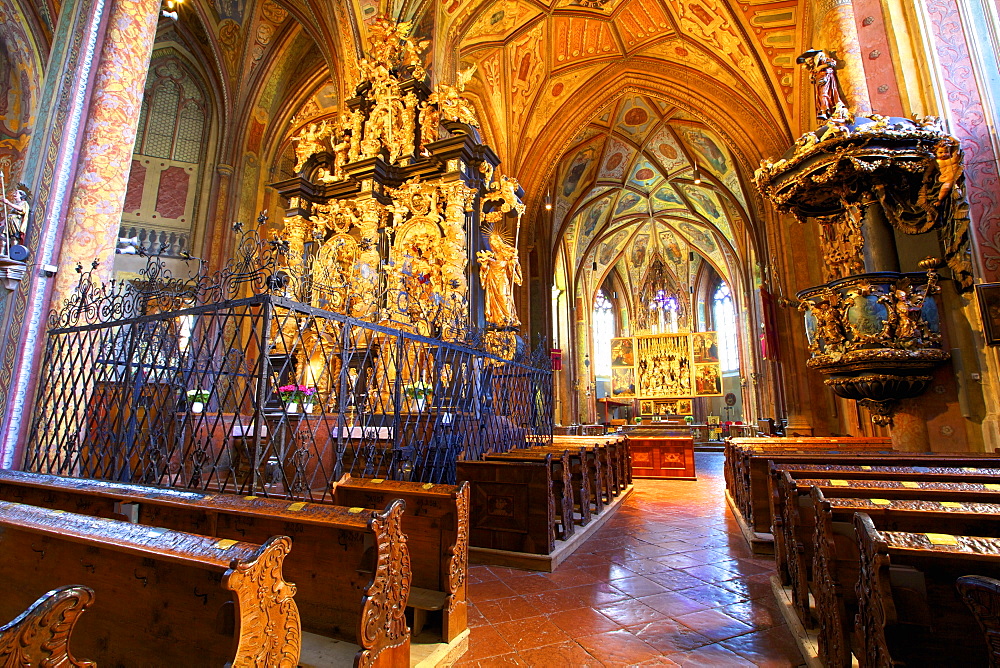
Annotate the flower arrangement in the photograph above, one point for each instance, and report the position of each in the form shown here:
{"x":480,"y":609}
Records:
{"x":301,"y":394}
{"x":417,"y":390}
{"x":198,"y":395}
{"x":637,"y":419}
{"x":689,"y":419}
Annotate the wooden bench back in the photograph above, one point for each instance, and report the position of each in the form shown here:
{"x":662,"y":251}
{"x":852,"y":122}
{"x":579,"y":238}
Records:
{"x":355,"y":561}
{"x":512,"y":506}
{"x":162,"y":597}
{"x":436,"y":524}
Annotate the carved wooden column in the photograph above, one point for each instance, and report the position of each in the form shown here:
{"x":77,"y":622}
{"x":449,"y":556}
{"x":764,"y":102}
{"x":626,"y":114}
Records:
{"x":96,"y":76}
{"x":836,"y":31}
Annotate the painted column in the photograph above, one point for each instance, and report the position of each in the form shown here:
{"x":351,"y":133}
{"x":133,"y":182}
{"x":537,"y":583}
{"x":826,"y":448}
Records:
{"x":95,"y":207}
{"x":81,"y":167}
{"x":836,"y":31}
{"x":215,"y":249}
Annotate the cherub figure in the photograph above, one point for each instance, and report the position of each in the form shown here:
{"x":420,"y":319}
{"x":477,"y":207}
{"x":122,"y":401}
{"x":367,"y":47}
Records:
{"x":17,"y":210}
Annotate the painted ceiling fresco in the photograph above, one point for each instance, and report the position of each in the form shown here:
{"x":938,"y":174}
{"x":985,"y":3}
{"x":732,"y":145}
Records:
{"x":533,"y":56}
{"x":625,"y":191}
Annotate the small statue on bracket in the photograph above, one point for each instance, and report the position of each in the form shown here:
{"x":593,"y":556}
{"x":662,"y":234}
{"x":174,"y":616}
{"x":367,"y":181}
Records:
{"x":822,"y":70}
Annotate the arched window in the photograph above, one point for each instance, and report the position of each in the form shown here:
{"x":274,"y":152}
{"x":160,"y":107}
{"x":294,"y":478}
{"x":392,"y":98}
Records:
{"x":604,"y":330}
{"x":169,"y":160}
{"x":172,"y":119}
{"x":724,"y":315}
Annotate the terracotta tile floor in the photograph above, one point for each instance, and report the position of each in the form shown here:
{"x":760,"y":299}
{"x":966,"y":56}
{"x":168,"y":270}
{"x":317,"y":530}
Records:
{"x":668,"y":581}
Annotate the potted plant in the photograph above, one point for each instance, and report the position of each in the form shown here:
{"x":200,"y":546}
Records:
{"x":197,"y":399}
{"x":637,"y":419}
{"x":689,"y":419}
{"x":418,"y":392}
{"x":296,"y":395}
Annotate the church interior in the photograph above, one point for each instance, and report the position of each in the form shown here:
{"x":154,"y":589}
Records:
{"x":499,"y":332}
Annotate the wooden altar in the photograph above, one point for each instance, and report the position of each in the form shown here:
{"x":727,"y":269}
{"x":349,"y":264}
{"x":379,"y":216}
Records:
{"x":658,"y":454}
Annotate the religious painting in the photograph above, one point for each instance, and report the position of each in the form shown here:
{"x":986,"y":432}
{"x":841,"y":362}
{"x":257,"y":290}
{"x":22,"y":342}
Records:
{"x":622,"y":352}
{"x":594,"y":216}
{"x":578,"y":171}
{"x":630,"y":202}
{"x":611,"y":248}
{"x":706,"y":347}
{"x":704,"y":202}
{"x":639,"y":245}
{"x":699,"y":237}
{"x":707,"y":150}
{"x":623,"y":382}
{"x":989,"y":310}
{"x":708,"y":380}
{"x":664,"y":365}
{"x":646,"y":407}
{"x":666,"y":197}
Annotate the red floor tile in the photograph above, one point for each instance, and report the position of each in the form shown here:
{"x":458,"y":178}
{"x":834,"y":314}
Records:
{"x":668,"y":581}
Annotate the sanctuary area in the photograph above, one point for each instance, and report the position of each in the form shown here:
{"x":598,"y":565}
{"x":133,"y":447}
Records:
{"x":499,"y":332}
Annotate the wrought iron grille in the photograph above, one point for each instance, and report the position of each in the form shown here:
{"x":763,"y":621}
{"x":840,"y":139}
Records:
{"x":289,"y":396}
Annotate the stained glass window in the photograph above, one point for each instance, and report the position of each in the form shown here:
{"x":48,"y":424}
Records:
{"x":724,"y":315}
{"x":604,"y":330}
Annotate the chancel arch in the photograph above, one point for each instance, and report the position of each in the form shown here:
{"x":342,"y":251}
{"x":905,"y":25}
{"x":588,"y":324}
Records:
{"x":650,"y":195}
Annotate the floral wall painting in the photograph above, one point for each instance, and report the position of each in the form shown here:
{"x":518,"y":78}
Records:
{"x":644,"y":175}
{"x":665,"y":150}
{"x":635,"y":117}
{"x":617,"y":157}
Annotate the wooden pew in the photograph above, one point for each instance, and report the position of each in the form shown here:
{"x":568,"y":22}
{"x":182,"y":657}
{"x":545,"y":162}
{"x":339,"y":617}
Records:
{"x":746,"y":467}
{"x":909,"y":610}
{"x":982,"y":595}
{"x":618,"y":467}
{"x":580,"y":459}
{"x":353,"y":566}
{"x":562,"y":482}
{"x":835,"y":557}
{"x":924,"y":466}
{"x":760,"y":470}
{"x":163,"y":597}
{"x":905,"y":467}
{"x":511,"y":506}
{"x":436,"y":525}
{"x":796,"y":519}
{"x":600,"y":468}
{"x":40,"y":636}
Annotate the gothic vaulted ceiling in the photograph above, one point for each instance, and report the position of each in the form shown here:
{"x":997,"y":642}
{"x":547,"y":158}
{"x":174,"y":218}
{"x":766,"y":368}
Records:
{"x":645,"y":180}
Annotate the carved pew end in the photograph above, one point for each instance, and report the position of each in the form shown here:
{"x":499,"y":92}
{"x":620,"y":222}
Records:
{"x":40,"y":635}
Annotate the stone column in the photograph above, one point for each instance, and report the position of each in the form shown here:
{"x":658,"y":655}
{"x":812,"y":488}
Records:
{"x":909,"y":427}
{"x":836,"y":31}
{"x":216,"y":246}
{"x":96,"y":76}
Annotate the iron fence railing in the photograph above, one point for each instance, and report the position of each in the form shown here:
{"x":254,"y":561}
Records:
{"x":169,"y":382}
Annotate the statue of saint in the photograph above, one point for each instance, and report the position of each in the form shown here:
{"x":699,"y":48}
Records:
{"x":823,"y":75}
{"x":307,"y":143}
{"x":499,"y":271}
{"x":16,"y":210}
